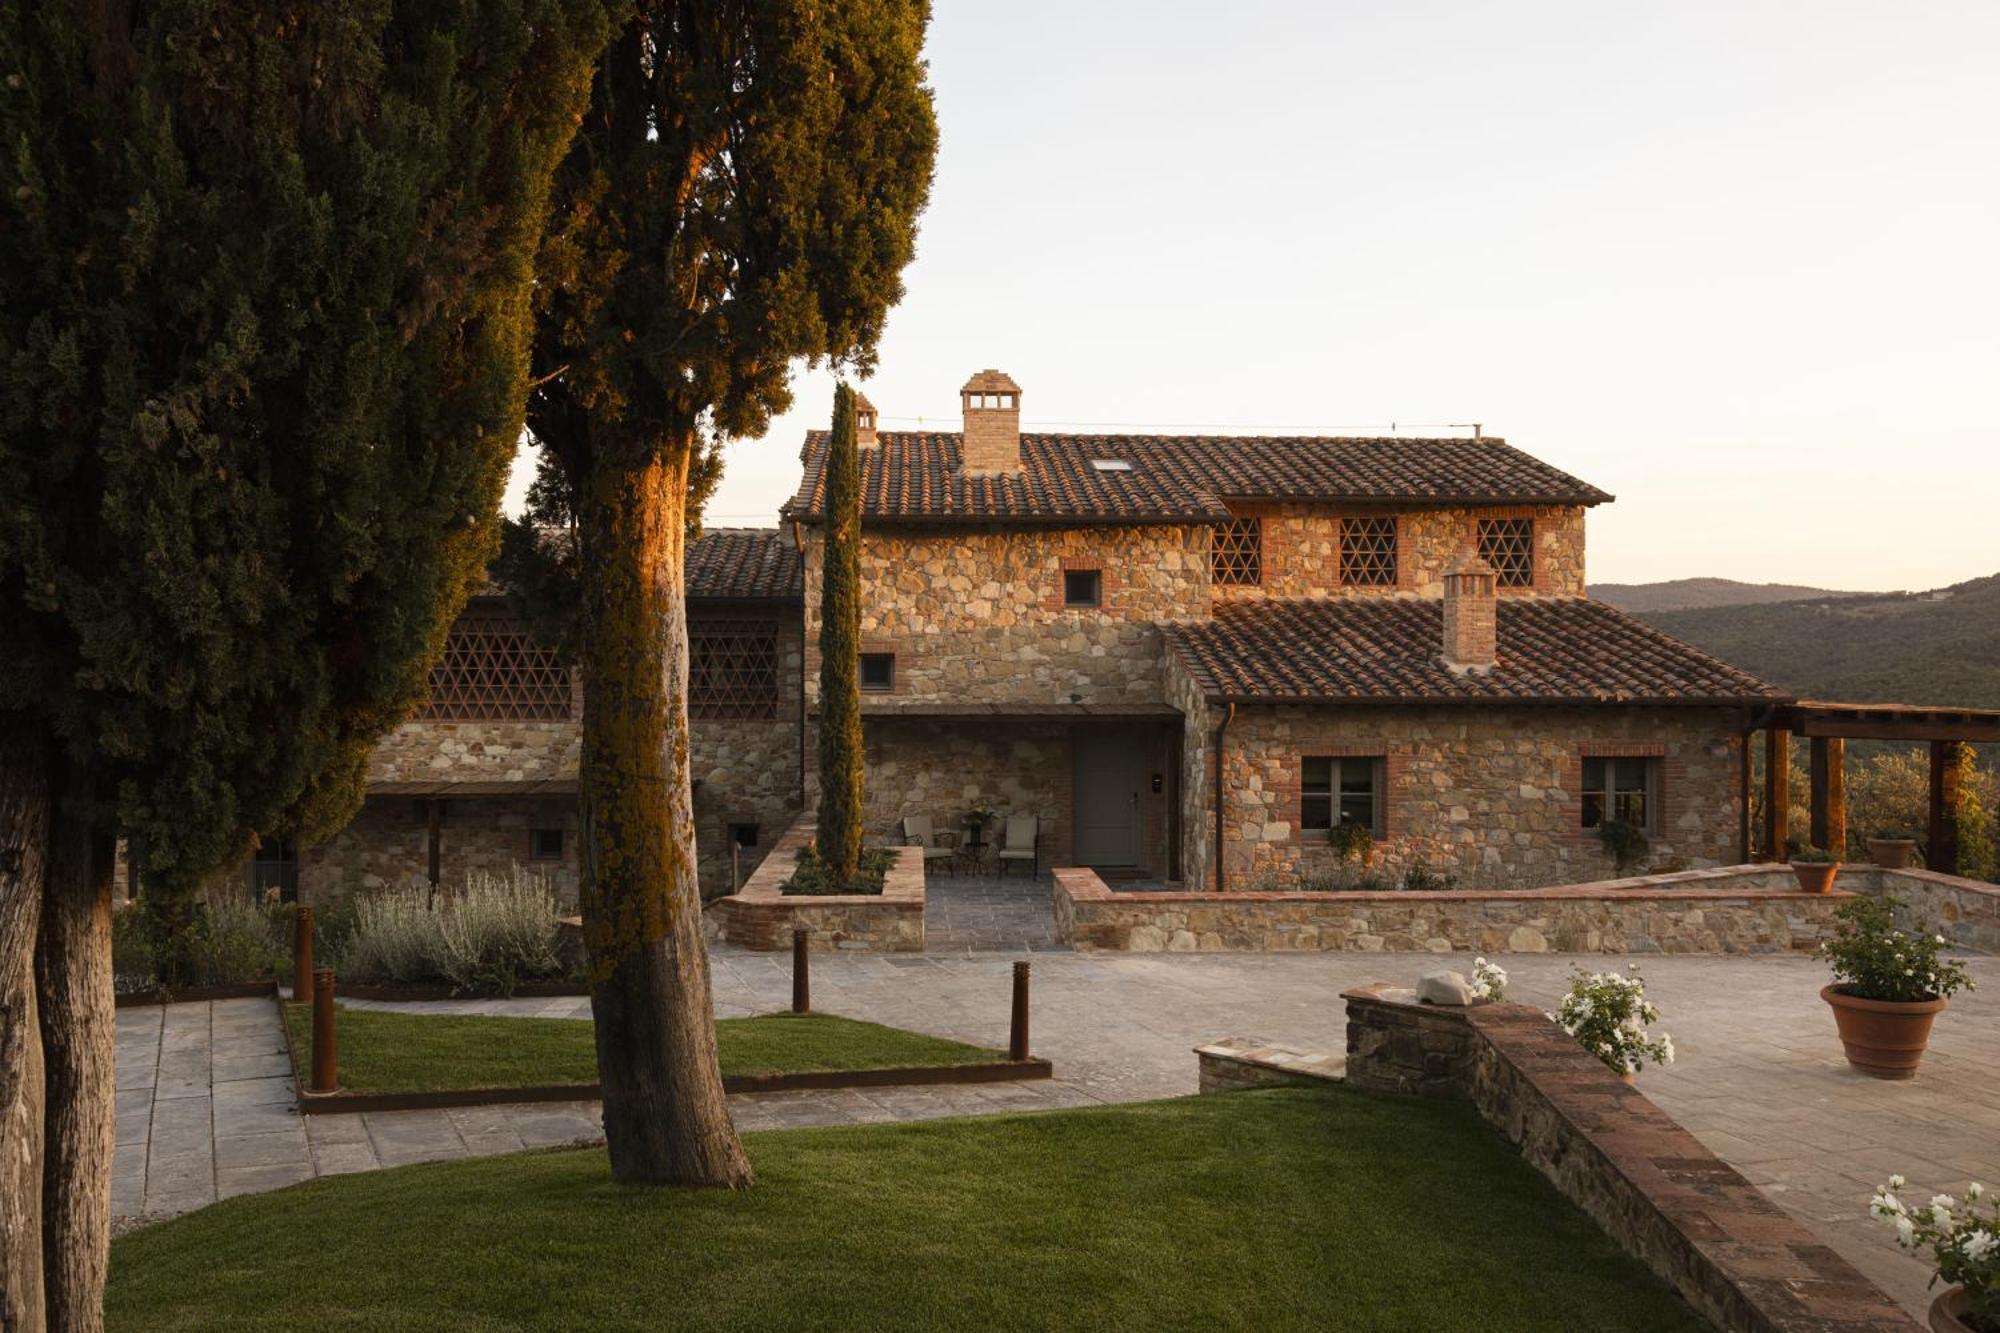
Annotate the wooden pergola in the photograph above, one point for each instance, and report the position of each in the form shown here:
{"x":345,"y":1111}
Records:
{"x":1827,"y":727}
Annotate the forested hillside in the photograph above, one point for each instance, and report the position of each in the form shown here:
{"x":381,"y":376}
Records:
{"x":1695,"y":594}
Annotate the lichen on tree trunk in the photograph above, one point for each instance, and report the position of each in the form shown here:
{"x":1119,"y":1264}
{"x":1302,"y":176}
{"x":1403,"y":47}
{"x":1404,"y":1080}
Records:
{"x":78,"y":1014}
{"x":24,"y":832}
{"x":666,"y":1120}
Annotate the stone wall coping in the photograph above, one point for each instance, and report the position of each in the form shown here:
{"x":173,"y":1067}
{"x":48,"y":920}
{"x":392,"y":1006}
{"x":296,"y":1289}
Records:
{"x":1720,"y":883}
{"x":1931,"y":879}
{"x":1263,"y":1054}
{"x":902,"y":886}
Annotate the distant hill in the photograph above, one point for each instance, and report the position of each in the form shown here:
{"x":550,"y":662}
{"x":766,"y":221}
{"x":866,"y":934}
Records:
{"x":1939,"y":647}
{"x":1697,"y":594}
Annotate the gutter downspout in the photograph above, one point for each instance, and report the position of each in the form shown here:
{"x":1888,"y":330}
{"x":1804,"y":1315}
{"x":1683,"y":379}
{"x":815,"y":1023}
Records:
{"x":799,"y":541}
{"x":1221,"y":734}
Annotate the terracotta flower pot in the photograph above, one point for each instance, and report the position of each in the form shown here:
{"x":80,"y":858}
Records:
{"x":1816,"y":876}
{"x":1951,"y":1312}
{"x":1891,"y":853}
{"x":1883,"y":1038}
{"x":1629,"y":1080}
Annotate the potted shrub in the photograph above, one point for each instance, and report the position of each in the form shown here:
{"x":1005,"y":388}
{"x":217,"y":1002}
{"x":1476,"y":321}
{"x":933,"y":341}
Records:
{"x":1963,"y":1237}
{"x":1889,"y":986}
{"x":1608,"y":1013}
{"x":1891,"y":849}
{"x":1815,"y":868}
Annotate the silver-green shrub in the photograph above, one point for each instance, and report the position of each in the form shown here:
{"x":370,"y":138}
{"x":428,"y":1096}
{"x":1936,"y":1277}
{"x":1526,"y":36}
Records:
{"x":496,"y":932}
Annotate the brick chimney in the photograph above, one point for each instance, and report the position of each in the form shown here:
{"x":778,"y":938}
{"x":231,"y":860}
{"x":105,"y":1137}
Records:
{"x":864,"y":421}
{"x":1470,"y":621}
{"x":992,"y":424}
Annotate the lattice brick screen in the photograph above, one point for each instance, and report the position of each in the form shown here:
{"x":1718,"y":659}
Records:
{"x":1368,"y":552}
{"x":492,"y":670}
{"x":1239,"y":551}
{"x":732,"y":668}
{"x":1508,"y":544}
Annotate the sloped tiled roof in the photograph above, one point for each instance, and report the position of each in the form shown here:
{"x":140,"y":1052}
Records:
{"x":914,"y":476}
{"x":1370,"y":649}
{"x":743,"y":563}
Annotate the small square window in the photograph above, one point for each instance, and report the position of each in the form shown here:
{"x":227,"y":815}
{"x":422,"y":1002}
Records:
{"x":1237,"y":549}
{"x":1508,"y":544}
{"x":1083,"y":587}
{"x":1348,"y":790}
{"x":1368,"y":556}
{"x":545,"y":844}
{"x":1622,"y":789}
{"x":878,"y":671}
{"x":743,"y":835}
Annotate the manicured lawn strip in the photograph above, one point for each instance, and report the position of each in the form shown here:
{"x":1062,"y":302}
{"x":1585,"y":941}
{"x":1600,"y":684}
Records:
{"x":394,"y":1051}
{"x":1275,"y":1209}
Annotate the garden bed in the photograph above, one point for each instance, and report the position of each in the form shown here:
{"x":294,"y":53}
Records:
{"x":761,"y":916}
{"x":401,"y":1061}
{"x":1334,"y":1210}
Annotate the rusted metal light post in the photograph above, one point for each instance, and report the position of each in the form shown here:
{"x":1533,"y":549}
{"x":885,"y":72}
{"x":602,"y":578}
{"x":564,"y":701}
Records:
{"x":325,"y":1066}
{"x":1017,"y":1037}
{"x":302,"y":954}
{"x":801,"y":970}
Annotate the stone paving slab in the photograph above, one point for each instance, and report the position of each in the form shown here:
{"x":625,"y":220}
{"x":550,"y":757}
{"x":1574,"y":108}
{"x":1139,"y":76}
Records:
{"x":1760,"y":1080}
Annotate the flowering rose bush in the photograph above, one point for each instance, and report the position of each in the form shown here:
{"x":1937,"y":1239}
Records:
{"x":1609,"y":1014}
{"x":1872,"y":960}
{"x":1962,"y":1236}
{"x":1489,"y":980}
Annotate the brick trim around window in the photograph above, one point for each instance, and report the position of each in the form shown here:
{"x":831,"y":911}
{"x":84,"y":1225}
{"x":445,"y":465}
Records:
{"x":1669,"y":771}
{"x":1395,"y":769}
{"x":1539,"y":567}
{"x":1054,"y":600}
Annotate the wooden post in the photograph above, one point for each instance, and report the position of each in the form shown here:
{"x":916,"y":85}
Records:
{"x":302,"y":954}
{"x":1947,"y":784}
{"x":801,"y":970}
{"x":1745,"y":835}
{"x":325,"y":1067}
{"x":1777,"y":792}
{"x":1017,"y":1035}
{"x":1829,"y":794}
{"x":433,"y":816}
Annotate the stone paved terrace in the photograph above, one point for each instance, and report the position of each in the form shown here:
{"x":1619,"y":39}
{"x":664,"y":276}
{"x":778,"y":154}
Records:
{"x":979,"y":913}
{"x":1760,"y":1081}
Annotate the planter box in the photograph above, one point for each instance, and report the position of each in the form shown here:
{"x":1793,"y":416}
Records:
{"x":758,"y":916}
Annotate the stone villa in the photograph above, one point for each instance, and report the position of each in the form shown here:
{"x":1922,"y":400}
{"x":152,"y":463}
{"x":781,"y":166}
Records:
{"x":1190,"y":656}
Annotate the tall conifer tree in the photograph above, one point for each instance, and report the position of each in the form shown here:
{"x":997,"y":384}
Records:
{"x":265,"y":312}
{"x":838,"y":838}
{"x":742,"y":195}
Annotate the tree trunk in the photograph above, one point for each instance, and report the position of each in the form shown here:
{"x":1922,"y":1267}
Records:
{"x":79,"y":1031}
{"x":24,"y":836}
{"x":665,"y":1117}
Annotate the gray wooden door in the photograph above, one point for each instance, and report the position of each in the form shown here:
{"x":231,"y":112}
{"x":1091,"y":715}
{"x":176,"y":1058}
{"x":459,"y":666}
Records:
{"x":1110,"y":772}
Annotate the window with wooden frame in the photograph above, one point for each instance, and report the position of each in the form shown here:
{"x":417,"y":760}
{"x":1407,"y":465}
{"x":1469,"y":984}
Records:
{"x":732,"y":667}
{"x":1083,"y":587}
{"x":1508,"y":544}
{"x":493,"y":670}
{"x":1621,"y":788}
{"x":1340,"y":790}
{"x":878,"y":671}
{"x":1368,"y":557}
{"x":545,"y":844}
{"x":1237,"y":549}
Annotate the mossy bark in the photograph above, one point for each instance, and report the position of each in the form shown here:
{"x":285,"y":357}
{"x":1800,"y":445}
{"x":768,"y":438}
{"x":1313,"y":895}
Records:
{"x":838,"y":836}
{"x":24,"y":831}
{"x":666,"y":1119}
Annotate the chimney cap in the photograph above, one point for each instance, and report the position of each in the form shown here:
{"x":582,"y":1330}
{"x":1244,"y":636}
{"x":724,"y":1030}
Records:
{"x":991,"y":381}
{"x":1472,"y":563}
{"x":861,"y":403}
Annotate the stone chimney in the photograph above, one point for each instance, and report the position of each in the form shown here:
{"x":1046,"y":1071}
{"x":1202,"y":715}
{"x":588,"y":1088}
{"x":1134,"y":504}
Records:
{"x":864,"y":421}
{"x":992,"y":424}
{"x":1471,"y":624}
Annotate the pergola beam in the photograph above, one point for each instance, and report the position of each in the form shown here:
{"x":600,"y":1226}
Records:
{"x":1970,"y":731}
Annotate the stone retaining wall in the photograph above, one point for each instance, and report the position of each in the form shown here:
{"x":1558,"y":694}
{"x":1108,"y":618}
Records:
{"x":1964,"y":911}
{"x":1737,"y":1258}
{"x":1732,"y":910}
{"x":758,"y":916}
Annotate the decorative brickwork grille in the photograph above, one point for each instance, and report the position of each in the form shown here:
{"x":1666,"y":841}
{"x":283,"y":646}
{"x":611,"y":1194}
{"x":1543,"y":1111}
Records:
{"x":1508,"y":544}
{"x":732,"y":668}
{"x":1368,"y":552}
{"x":492,"y":670}
{"x":1239,"y":551}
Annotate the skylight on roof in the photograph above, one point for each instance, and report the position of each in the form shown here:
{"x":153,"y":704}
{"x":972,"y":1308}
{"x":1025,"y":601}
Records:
{"x":1112,"y":464}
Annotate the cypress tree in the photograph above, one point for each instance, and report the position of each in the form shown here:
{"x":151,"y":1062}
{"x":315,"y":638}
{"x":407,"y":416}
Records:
{"x":838,"y":838}
{"x":742,"y":195}
{"x":265,"y":311}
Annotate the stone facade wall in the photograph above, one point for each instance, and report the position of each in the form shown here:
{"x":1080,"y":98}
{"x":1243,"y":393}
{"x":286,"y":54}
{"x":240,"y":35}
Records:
{"x":486,"y":751}
{"x":1740,"y":1260}
{"x":1492,"y":795}
{"x":978,"y":617}
{"x":1739,"y":910}
{"x":760,"y":916}
{"x":387,"y":846}
{"x":1302,"y":550}
{"x":1964,"y":911}
{"x":747,"y":771}
{"x":1198,"y":721}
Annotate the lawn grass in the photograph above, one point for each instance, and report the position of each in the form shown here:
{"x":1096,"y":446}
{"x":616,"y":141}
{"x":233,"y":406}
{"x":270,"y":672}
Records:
{"x":1286,"y":1208}
{"x":384,"y":1050}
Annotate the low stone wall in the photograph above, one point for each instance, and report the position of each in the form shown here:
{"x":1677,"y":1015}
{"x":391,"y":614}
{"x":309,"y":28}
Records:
{"x":758,"y":916}
{"x":1964,"y":911}
{"x":1732,"y":910}
{"x":1737,"y":1258}
{"x":1236,"y":1063}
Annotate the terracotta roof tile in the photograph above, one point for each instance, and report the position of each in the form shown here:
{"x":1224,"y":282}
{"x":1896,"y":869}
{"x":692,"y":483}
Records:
{"x":914,"y":475}
{"x":743,"y":563}
{"x":1369,"y":649}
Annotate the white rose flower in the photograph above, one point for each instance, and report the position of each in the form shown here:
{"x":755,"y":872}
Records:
{"x":1897,"y":1182}
{"x":1974,"y":1190}
{"x":1979,"y":1246}
{"x":1906,"y":1232}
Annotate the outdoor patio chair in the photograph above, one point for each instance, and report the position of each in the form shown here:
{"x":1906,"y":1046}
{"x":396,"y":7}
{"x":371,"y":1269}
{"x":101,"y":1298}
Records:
{"x":1022,"y":841}
{"x":939,"y":848}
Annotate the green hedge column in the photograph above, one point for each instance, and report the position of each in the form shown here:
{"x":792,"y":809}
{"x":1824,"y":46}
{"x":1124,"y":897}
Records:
{"x":839,"y":837}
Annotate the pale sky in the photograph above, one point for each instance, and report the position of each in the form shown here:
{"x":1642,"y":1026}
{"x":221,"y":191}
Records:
{"x":1737,"y":263}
